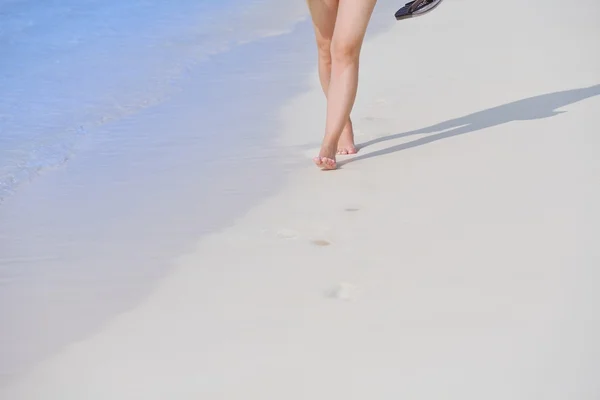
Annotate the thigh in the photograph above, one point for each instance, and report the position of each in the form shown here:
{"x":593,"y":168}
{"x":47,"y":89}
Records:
{"x":323,"y":14}
{"x":353,"y":17}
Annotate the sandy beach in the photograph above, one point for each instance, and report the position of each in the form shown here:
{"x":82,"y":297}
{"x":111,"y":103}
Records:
{"x":454,"y":257}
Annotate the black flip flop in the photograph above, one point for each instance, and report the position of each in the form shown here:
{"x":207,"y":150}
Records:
{"x":416,"y":8}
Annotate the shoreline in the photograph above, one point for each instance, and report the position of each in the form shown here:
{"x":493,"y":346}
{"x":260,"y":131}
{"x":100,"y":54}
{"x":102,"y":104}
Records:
{"x":91,"y":239}
{"x":452,"y":249}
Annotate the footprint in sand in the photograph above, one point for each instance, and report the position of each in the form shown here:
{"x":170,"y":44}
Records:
{"x":343,"y":291}
{"x":287,"y":234}
{"x":321,"y":242}
{"x":291,"y":234}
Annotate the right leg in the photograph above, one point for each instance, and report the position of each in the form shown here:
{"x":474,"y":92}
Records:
{"x":324,"y":14}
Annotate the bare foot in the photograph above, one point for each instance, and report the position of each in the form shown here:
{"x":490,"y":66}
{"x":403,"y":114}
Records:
{"x":325,"y":162}
{"x":326,"y":158}
{"x":346,"y":143}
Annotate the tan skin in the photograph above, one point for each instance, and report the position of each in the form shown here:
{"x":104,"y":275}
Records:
{"x":340,"y":27}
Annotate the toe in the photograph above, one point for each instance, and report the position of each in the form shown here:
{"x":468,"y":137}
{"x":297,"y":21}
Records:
{"x":329,"y":163}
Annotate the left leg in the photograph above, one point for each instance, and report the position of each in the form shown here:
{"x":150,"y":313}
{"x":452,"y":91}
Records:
{"x":350,"y":27}
{"x":324,"y":14}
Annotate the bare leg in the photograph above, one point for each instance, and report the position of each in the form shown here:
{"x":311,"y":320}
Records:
{"x":325,"y":12}
{"x":350,"y":25}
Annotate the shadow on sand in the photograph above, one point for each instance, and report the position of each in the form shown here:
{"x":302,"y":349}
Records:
{"x":538,"y":107}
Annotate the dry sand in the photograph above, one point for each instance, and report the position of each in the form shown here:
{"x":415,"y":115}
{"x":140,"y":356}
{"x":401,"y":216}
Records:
{"x":453,"y":258}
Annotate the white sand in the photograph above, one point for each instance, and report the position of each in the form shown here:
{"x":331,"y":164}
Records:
{"x":434,"y":266}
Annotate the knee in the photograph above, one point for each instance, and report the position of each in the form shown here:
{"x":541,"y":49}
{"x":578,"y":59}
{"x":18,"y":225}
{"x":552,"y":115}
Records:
{"x":324,"y":47}
{"x":345,"y":51}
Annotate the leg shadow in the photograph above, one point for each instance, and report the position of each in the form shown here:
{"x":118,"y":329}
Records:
{"x":538,"y":107}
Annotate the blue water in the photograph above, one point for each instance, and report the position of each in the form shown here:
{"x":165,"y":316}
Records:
{"x":127,"y":130}
{"x":67,"y":66}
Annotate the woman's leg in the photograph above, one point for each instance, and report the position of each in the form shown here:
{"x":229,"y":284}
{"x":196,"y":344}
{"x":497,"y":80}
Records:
{"x":349,"y":31}
{"x":324,"y":14}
